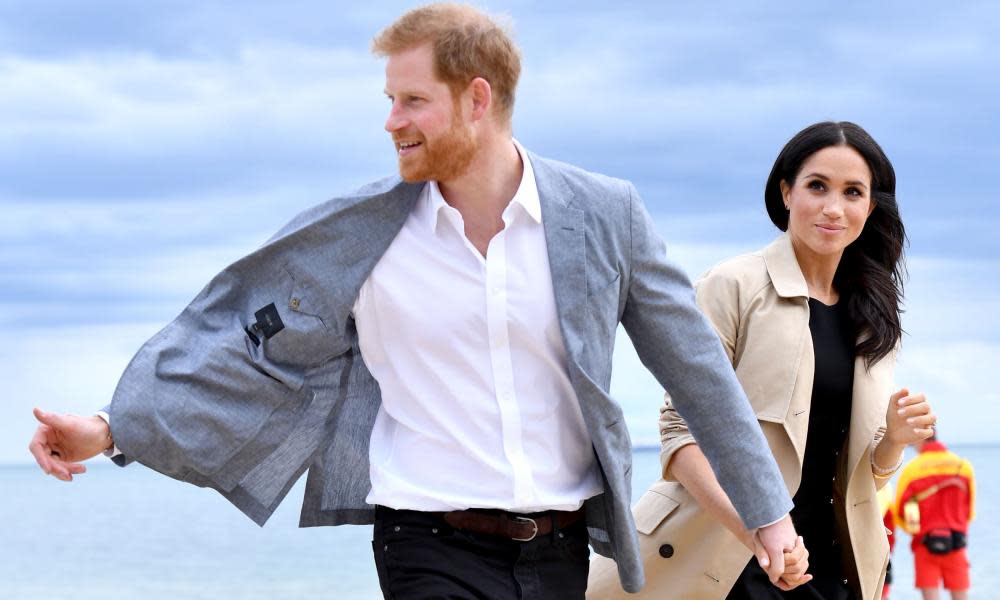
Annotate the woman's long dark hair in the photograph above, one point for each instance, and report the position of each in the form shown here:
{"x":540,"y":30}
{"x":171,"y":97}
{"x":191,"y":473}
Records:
{"x":871,"y":272}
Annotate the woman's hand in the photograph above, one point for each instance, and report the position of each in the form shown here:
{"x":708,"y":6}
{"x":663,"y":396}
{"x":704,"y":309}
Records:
{"x":909,"y":419}
{"x":796,"y":564}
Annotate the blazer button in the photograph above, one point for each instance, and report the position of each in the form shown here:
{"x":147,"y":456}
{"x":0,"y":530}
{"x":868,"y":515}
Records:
{"x":666,"y":550}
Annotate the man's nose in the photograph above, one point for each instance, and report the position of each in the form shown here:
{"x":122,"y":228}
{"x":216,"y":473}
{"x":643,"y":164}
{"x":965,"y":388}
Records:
{"x":395,"y":121}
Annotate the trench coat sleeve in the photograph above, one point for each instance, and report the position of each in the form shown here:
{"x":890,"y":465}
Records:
{"x":718,"y":298}
{"x":677,"y":344}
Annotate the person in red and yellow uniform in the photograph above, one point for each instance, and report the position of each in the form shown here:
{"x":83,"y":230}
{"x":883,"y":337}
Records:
{"x":935,"y":501}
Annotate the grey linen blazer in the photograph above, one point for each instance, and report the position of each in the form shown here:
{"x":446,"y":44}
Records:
{"x":203,"y":403}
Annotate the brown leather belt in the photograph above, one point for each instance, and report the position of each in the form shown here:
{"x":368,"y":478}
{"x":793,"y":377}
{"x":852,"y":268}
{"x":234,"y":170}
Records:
{"x":521,"y":528}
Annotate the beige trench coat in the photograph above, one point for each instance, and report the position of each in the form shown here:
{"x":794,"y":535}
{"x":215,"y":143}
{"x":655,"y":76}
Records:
{"x":759,"y":306}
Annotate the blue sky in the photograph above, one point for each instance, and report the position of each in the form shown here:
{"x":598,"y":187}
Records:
{"x":145,"y":146}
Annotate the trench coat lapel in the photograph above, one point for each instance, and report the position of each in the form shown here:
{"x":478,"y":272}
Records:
{"x":870,"y":401}
{"x":787,"y":407}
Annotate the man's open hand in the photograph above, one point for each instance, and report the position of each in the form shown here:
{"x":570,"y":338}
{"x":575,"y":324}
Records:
{"x":61,"y":442}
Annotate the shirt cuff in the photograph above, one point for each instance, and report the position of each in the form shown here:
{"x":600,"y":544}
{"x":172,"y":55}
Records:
{"x":113,"y":451}
{"x":774,"y":521}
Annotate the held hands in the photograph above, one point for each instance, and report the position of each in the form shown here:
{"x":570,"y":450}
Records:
{"x":782,"y":554}
{"x":908,"y":419}
{"x":796,"y":563}
{"x":61,"y":442}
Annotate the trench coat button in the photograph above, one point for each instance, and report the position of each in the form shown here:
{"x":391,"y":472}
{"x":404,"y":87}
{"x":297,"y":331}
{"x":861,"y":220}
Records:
{"x":294,"y":303}
{"x":666,"y":550}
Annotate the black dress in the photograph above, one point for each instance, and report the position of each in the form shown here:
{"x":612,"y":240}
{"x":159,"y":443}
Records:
{"x":819,"y":498}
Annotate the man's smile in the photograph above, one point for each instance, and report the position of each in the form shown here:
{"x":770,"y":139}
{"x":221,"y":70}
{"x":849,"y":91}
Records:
{"x":404,"y":148}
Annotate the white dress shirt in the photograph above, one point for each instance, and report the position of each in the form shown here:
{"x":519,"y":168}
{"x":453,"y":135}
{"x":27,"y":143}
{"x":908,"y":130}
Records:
{"x":477,"y":407}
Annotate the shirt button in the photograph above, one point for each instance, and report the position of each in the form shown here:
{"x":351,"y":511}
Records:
{"x":831,"y":500}
{"x":666,"y":550}
{"x":294,"y":303}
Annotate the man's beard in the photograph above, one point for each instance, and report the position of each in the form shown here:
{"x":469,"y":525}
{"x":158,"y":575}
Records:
{"x":445,"y":159}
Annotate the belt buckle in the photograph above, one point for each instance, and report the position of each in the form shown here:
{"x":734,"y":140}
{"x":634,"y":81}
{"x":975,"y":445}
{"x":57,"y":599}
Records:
{"x":533,"y":533}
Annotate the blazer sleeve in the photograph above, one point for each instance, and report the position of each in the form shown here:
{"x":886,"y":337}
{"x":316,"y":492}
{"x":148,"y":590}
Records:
{"x":678,"y":345}
{"x":718,"y":298}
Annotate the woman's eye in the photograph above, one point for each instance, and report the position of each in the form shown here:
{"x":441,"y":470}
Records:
{"x":816,"y":185}
{"x":853,"y":191}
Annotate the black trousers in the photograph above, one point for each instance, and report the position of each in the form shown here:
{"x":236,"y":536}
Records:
{"x":418,"y":556}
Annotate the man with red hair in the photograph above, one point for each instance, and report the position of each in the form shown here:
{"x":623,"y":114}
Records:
{"x":435,"y":349}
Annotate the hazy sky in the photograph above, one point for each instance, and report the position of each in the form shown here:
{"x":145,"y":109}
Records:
{"x":144,"y":146}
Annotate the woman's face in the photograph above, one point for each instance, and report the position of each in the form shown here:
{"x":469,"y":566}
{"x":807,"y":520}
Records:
{"x":829,"y":201}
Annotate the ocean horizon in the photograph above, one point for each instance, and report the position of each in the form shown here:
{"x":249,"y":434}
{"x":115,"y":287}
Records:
{"x":128,"y":533}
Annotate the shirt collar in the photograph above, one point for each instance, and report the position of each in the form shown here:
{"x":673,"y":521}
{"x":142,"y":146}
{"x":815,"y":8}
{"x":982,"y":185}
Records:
{"x":527,"y":192}
{"x":526,"y":195}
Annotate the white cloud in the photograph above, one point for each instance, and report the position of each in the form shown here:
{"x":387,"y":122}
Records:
{"x":148,"y":106}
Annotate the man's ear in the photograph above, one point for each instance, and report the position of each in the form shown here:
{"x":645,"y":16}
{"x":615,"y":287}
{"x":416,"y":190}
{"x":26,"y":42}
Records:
{"x":482,"y":97}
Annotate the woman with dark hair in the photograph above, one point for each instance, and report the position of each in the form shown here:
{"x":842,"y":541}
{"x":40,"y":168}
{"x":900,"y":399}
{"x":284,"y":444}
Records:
{"x":811,"y":324}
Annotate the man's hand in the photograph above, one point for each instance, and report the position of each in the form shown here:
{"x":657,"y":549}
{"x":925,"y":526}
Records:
{"x":62,"y":441}
{"x":770,"y":544}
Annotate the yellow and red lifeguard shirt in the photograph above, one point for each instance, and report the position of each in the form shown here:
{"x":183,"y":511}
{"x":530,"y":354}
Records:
{"x":952,"y":507}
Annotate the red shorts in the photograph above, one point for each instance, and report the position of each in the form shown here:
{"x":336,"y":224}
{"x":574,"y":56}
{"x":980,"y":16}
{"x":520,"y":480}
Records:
{"x":931,"y":569}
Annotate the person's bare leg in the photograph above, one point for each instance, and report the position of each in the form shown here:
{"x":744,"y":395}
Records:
{"x":960,"y":595}
{"x":929,"y":594}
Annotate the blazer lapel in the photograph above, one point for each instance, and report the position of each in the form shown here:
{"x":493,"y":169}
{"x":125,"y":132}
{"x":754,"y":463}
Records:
{"x":565,"y":238}
{"x":361,"y":234}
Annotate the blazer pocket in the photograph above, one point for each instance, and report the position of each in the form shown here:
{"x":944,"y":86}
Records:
{"x":594,"y":289}
{"x":303,"y":341}
{"x":651,"y":510}
{"x":596,"y":318}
